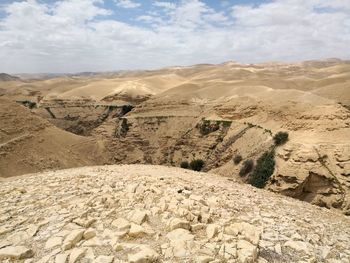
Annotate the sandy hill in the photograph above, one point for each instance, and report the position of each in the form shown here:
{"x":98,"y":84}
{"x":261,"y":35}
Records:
{"x":29,"y":143}
{"x":158,"y":214}
{"x":7,"y":77}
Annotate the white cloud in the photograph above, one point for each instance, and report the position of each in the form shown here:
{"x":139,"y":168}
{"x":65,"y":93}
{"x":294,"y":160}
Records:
{"x":166,"y":5}
{"x":80,"y":35}
{"x":127,"y":4}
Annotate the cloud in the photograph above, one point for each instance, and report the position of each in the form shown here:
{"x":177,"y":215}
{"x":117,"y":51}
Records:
{"x":82,"y":35}
{"x":127,"y":4}
{"x":166,"y":5}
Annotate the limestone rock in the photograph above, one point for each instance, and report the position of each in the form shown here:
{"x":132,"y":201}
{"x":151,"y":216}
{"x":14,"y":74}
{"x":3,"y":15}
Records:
{"x":103,"y":259}
{"x":74,"y":237}
{"x":178,"y":223}
{"x":138,"y":216}
{"x":137,"y":231}
{"x":121,"y":224}
{"x":212,"y":230}
{"x":61,"y":258}
{"x":76,"y":254}
{"x":18,"y":252}
{"x":204,"y":259}
{"x":89,"y":233}
{"x":297,"y":245}
{"x":145,"y":255}
{"x":53,"y":242}
{"x":246,"y":252}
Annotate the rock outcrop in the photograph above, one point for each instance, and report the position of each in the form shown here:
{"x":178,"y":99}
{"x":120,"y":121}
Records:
{"x":135,"y":213}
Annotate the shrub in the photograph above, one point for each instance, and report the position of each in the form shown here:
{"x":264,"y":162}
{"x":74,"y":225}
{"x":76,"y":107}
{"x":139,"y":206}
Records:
{"x":280,"y":138}
{"x":237,"y":159}
{"x":184,"y":165}
{"x":126,"y":109}
{"x":264,"y":168}
{"x":197,"y":165}
{"x":247,"y":167}
{"x":206,"y":127}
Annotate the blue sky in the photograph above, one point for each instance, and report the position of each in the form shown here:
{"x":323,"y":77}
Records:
{"x":104,"y":35}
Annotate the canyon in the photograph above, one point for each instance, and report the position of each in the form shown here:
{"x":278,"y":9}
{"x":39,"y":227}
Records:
{"x":177,"y":114}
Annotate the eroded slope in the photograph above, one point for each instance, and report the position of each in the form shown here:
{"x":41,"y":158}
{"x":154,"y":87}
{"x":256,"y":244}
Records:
{"x":31,"y":144}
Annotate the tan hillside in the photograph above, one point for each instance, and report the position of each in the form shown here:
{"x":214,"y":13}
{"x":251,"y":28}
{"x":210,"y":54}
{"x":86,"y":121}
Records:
{"x":30,"y":144}
{"x":135,"y":213}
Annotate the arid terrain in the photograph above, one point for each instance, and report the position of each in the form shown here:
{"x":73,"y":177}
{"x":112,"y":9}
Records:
{"x":137,"y":213}
{"x":214,"y":113}
{"x":171,"y":115}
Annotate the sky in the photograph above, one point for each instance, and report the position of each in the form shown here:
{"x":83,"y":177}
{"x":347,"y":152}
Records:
{"x":66,"y":36}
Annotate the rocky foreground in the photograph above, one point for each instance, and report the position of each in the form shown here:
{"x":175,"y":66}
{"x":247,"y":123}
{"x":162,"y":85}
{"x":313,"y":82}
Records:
{"x":135,"y":213}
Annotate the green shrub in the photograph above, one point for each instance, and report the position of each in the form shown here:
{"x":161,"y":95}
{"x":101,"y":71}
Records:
{"x":247,"y":167}
{"x":237,"y":159}
{"x":184,"y":165}
{"x":264,"y":168}
{"x":126,"y":109}
{"x":206,"y":127}
{"x":280,"y":138}
{"x":196,"y":165}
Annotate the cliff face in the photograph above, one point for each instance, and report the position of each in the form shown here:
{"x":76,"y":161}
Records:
{"x":312,"y":166}
{"x":318,"y":174}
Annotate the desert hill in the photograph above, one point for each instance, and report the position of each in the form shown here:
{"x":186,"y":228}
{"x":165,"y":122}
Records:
{"x":7,"y":77}
{"x":137,"y":213}
{"x":213,"y":113}
{"x":29,"y":143}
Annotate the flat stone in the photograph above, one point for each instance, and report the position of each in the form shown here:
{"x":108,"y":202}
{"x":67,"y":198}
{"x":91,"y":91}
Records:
{"x":93,"y":242}
{"x":297,"y":245}
{"x":32,"y":230}
{"x":246,"y":252}
{"x":84,"y":222}
{"x":137,"y":231}
{"x":76,"y":254}
{"x":103,"y":259}
{"x":53,"y":242}
{"x":212,"y":230}
{"x":16,"y":252}
{"x":179,"y":235}
{"x":145,"y":255}
{"x":74,"y":237}
{"x":228,"y":251}
{"x":250,"y":232}
{"x":278,"y":249}
{"x":178,"y":223}
{"x":204,"y":259}
{"x":89,"y":233}
{"x":138,"y":216}
{"x":196,"y":227}
{"x":61,"y":258}
{"x":121,"y":224}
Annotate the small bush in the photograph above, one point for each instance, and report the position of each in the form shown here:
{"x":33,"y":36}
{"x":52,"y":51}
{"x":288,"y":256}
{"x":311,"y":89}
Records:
{"x":196,"y":165}
{"x":237,"y":159}
{"x":264,"y":168}
{"x":184,"y":165}
{"x":126,"y":109}
{"x":206,"y":127}
{"x":247,"y":167}
{"x":280,"y":138}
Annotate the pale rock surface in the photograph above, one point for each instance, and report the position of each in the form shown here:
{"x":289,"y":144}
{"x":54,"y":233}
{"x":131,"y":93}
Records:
{"x":145,"y":255}
{"x":216,"y":221}
{"x":18,"y":252}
